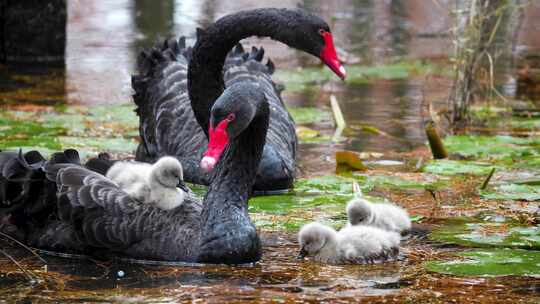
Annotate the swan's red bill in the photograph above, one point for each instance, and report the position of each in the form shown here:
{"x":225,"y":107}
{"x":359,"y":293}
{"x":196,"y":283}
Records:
{"x":329,"y":56}
{"x":217,"y":141}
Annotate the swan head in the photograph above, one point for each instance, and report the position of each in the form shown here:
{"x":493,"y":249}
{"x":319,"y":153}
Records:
{"x":168,"y":171}
{"x":311,"y":34}
{"x":313,"y":237}
{"x":358,"y":211}
{"x":230,"y":115}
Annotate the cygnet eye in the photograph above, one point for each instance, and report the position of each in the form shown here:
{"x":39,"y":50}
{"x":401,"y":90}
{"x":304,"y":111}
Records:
{"x":231,"y":117}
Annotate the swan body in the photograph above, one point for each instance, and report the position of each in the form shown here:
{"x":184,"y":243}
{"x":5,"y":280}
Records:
{"x":351,"y":245}
{"x":386,"y":216}
{"x":177,"y":86}
{"x":63,"y":205}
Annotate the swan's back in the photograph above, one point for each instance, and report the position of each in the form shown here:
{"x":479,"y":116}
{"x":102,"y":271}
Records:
{"x":61,"y":205}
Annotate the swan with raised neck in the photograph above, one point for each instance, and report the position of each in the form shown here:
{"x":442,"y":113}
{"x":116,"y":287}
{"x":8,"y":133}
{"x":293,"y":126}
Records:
{"x":238,"y":124}
{"x":296,"y":28}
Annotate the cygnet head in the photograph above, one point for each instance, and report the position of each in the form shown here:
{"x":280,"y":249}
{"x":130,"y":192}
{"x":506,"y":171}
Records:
{"x":168,"y":171}
{"x":313,"y":237}
{"x":358,"y":211}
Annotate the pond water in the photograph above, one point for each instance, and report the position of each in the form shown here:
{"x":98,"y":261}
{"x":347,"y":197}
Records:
{"x":397,"y":57}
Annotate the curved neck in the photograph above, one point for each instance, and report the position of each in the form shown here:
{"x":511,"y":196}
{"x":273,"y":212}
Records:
{"x":227,"y":234}
{"x":205,"y":75}
{"x":234,"y":174}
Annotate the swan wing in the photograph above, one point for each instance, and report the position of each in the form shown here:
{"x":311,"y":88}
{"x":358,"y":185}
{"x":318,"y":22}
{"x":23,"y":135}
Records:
{"x":103,"y":214}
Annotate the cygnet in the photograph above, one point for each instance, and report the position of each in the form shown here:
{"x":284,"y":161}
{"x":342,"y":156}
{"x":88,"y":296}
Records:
{"x":386,"y":216}
{"x":351,"y":245}
{"x":157,"y":184}
{"x":128,"y":173}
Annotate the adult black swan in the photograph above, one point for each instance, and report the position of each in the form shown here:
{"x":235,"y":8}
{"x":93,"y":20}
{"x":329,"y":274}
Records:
{"x":177,"y":87}
{"x":62,"y":205}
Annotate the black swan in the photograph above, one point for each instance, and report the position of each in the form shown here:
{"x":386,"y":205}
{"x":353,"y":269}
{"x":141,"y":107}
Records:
{"x":64,"y":206}
{"x":177,"y":87}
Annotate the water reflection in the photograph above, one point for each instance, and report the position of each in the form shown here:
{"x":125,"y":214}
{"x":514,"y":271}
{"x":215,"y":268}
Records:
{"x":154,"y":20}
{"x":105,"y":36}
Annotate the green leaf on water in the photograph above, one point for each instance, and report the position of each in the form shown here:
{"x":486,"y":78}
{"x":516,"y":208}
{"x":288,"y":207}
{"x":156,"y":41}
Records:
{"x":472,"y":232}
{"x":491,"y":262}
{"x":417,"y":218}
{"x":491,"y":146}
{"x":513,"y":192}
{"x":396,"y":182}
{"x":453,"y":167}
{"x":99,"y":128}
{"x":309,"y":115}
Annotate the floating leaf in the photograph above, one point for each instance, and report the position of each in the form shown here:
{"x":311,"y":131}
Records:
{"x":491,"y":262}
{"x":477,"y":233}
{"x":350,"y":159}
{"x":491,"y":146}
{"x":309,"y":115}
{"x":453,"y":167}
{"x":513,"y":192}
{"x":88,"y":129}
{"x":308,"y":135}
{"x":396,"y":182}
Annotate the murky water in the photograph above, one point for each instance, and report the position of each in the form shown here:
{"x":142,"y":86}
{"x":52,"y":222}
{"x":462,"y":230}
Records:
{"x":103,"y":40}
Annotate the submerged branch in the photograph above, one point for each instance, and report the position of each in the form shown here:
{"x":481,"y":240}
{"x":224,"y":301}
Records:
{"x":23,"y":246}
{"x":27,"y":273}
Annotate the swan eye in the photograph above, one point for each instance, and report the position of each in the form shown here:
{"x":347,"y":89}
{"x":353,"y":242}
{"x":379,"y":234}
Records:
{"x":231,"y":117}
{"x":322,"y":31}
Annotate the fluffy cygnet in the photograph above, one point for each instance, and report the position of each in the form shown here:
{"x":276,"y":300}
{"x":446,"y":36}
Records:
{"x":128,"y":173}
{"x":156,"y":184}
{"x":165,"y":177}
{"x":351,"y":245}
{"x":384,"y":215}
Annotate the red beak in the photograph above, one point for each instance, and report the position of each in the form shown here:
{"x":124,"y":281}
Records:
{"x":329,"y":56}
{"x":217,"y":141}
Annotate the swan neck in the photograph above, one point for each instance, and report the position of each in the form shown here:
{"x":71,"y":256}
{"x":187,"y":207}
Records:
{"x":235,"y":173}
{"x":205,"y":76}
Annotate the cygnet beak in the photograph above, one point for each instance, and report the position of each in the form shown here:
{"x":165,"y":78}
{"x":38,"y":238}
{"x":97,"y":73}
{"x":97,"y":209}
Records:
{"x":302,"y":254}
{"x":183,"y":186}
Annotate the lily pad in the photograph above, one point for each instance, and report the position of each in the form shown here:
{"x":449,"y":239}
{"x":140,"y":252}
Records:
{"x":308,"y":115}
{"x":473,"y":232}
{"x":513,"y":192}
{"x":396,"y":182}
{"x":87,"y":129}
{"x":320,"y":198}
{"x":453,"y":167}
{"x":491,"y":146}
{"x":491,"y":262}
